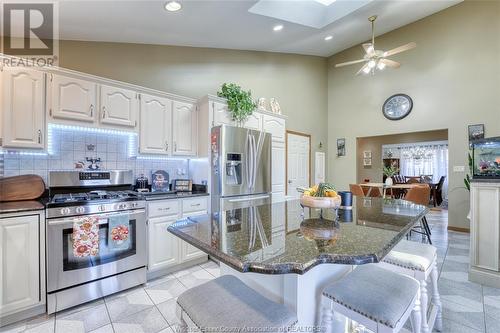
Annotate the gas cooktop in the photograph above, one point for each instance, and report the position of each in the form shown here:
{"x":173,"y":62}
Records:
{"x":79,"y":198}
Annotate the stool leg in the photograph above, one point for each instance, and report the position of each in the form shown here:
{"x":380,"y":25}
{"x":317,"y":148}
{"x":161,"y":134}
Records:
{"x":416,"y":317}
{"x":436,"y":299}
{"x":327,"y":316}
{"x":423,"y":305}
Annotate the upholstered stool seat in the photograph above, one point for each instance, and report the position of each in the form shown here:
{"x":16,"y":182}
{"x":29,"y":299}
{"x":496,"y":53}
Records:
{"x":226,"y":302}
{"x":379,"y":299}
{"x":419,"y":261}
{"x":412,"y":255}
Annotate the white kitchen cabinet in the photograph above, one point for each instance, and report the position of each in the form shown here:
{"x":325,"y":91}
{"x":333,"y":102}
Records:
{"x":118,"y":106}
{"x":163,"y":246}
{"x":184,"y":129}
{"x":165,"y":250}
{"x":22,"y":263}
{"x":275,"y":126}
{"x":156,"y":124}
{"x":188,"y":251}
{"x":221,"y":115}
{"x":278,"y":158}
{"x":23,"y":108}
{"x":73,"y":99}
{"x":254,"y":122}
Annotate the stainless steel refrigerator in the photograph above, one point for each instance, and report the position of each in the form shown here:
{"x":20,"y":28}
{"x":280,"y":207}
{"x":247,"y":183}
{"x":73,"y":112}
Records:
{"x":240,"y":167}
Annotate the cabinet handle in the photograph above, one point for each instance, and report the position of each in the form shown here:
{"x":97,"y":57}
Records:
{"x":195,"y":205}
{"x":91,"y":110}
{"x":103,"y":112}
{"x":175,"y":145}
{"x":39,"y":136}
{"x":166,"y":145}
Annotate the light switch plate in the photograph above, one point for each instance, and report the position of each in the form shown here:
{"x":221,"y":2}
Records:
{"x":458,"y":168}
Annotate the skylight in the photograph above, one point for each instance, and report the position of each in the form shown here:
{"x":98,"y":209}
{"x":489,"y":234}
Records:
{"x":325,"y":2}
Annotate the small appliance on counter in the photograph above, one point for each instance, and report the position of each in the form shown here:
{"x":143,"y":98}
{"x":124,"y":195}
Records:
{"x":183,"y":185}
{"x":142,"y":184}
{"x":160,"y":181}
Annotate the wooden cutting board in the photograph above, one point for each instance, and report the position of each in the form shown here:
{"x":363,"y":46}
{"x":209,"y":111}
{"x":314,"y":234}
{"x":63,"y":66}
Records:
{"x":25,"y":187}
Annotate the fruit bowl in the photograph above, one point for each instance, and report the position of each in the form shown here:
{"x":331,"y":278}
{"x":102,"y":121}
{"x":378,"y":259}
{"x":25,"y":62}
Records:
{"x":320,"y":202}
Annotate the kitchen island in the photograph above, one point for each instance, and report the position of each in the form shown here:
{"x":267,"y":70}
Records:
{"x":290,"y":254}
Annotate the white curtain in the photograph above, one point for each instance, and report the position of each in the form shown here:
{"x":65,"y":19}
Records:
{"x":435,"y":165}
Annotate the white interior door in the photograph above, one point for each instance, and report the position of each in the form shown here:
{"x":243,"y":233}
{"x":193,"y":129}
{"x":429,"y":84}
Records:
{"x":297,"y":163}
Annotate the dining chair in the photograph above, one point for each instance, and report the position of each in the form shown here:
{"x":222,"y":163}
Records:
{"x":420,"y":194}
{"x":374,"y":193}
{"x":437,"y":192}
{"x":356,"y":190}
{"x":412,"y":180}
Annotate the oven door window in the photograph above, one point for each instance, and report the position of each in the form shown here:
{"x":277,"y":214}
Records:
{"x":107,"y":253}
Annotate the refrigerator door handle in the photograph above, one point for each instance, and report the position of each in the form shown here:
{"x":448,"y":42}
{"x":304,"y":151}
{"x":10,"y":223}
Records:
{"x":249,"y":198}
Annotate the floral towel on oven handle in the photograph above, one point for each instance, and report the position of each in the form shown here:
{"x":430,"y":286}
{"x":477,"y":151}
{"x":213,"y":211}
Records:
{"x":118,"y":232}
{"x":86,"y":236}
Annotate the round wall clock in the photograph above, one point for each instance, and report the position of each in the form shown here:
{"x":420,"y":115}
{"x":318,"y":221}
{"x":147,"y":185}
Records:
{"x":397,"y":107}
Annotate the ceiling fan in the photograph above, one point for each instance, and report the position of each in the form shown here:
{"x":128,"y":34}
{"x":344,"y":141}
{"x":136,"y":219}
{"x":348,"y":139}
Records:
{"x":377,"y":59}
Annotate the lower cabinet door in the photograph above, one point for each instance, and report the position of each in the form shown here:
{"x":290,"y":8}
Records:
{"x":163,"y":246}
{"x":19,"y":263}
{"x":189,"y":252}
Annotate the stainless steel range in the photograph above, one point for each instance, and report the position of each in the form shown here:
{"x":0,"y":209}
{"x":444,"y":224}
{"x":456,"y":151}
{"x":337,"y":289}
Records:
{"x":96,"y":236}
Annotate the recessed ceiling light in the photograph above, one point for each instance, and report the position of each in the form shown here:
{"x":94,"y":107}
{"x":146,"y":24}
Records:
{"x":328,"y":37}
{"x":173,"y":6}
{"x":278,"y":27}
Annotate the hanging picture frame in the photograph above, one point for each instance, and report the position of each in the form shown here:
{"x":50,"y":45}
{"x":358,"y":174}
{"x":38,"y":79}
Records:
{"x":341,"y":147}
{"x":475,"y":132}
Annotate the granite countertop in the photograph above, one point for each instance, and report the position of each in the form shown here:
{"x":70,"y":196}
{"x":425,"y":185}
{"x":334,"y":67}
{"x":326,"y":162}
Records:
{"x":21,"y":206}
{"x":275,"y":239}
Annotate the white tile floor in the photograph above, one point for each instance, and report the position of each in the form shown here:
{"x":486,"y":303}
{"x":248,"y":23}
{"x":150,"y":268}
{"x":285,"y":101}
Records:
{"x":467,"y":306}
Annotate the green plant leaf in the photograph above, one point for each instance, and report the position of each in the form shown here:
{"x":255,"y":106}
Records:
{"x":239,"y":102}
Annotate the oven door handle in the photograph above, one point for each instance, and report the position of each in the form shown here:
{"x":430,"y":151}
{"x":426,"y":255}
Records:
{"x":104,"y":215}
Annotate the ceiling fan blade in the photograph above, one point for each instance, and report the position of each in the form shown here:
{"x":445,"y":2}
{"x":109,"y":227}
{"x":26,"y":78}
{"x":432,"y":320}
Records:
{"x":390,"y":63}
{"x":368,"y":48}
{"x":400,"y":49}
{"x":350,"y":63}
{"x":362,"y":69}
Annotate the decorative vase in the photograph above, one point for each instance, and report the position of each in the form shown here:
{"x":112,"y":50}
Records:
{"x":388,"y":181}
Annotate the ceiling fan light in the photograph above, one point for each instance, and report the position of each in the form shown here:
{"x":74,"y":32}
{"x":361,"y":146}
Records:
{"x":366,"y":70}
{"x":381,"y":65}
{"x":372,"y":63}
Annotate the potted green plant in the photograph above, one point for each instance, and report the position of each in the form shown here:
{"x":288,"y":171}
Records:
{"x":390,"y":171}
{"x":467,"y":178}
{"x":239,"y":102}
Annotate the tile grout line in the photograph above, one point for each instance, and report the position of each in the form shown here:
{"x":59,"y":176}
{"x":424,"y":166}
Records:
{"x":109,"y":316}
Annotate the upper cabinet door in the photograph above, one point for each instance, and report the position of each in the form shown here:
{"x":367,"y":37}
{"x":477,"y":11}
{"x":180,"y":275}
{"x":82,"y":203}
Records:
{"x":221,"y":115}
{"x":119,"y":106}
{"x":23,"y":108}
{"x":156,"y":122}
{"x":275,"y":126}
{"x":254,"y":122}
{"x":184,"y":129}
{"x":73,"y":99}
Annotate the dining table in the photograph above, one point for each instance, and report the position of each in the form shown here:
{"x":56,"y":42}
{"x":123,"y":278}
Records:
{"x":290,"y":254}
{"x":384,"y":187}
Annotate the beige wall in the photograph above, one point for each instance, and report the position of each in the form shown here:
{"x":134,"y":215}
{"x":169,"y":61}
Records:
{"x":453,"y":77}
{"x":298,"y":82}
{"x":375,"y":143}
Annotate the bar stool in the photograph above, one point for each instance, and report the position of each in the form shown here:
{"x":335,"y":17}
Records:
{"x":419,"y":261}
{"x":226,"y":303}
{"x":420,"y":194}
{"x":377,"y":298}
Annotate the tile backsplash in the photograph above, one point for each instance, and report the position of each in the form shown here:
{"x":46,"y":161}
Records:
{"x":67,"y":147}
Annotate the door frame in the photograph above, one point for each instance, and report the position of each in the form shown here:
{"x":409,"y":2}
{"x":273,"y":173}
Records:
{"x":286,"y":155}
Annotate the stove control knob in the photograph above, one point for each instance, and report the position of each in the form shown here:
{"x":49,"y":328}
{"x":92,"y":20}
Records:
{"x":101,"y":208}
{"x":80,"y":210}
{"x":65,"y":211}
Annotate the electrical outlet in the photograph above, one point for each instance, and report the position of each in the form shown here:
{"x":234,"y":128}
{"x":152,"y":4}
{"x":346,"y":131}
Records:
{"x":458,"y":168}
